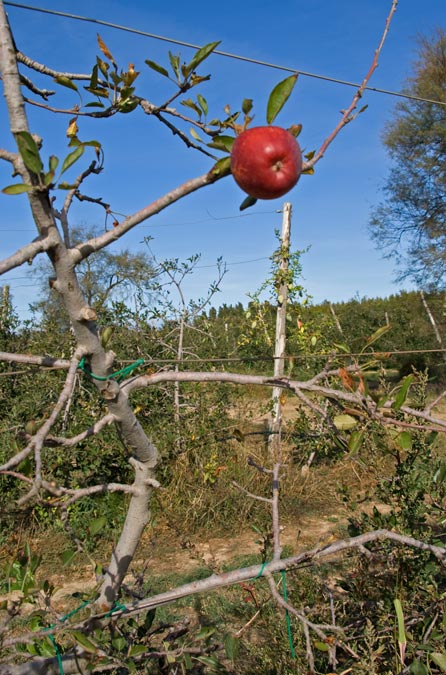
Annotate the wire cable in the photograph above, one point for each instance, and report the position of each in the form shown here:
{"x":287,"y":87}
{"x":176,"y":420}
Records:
{"x":229,"y":55}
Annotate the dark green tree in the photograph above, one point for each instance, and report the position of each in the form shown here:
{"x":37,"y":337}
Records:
{"x":409,"y":224}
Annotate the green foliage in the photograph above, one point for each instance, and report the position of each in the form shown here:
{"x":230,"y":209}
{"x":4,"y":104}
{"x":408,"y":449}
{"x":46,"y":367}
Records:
{"x":414,"y":209}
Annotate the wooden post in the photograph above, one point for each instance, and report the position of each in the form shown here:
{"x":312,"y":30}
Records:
{"x":433,"y":323}
{"x":5,"y":306}
{"x":280,"y":341}
{"x":336,"y":320}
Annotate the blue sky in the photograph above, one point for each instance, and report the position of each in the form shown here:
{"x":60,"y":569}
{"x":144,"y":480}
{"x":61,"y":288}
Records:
{"x":143,"y":160}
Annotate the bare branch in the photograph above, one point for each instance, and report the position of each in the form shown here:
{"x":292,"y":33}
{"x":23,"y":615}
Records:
{"x":275,"y":512}
{"x":243,"y":574}
{"x":29,"y":84}
{"x":186,"y":140}
{"x":433,"y":404}
{"x":26,"y":254}
{"x":79,"y":493}
{"x":96,"y":244}
{"x":363,"y":406}
{"x":45,"y":361}
{"x":38,"y":439}
{"x":11,"y":157}
{"x":268,"y":500}
{"x":45,"y":70}
{"x":74,"y":440}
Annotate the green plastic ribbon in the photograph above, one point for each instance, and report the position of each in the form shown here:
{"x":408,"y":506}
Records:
{"x":118,"y":375}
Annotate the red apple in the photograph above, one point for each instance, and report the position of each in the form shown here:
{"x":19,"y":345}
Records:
{"x":266,"y":162}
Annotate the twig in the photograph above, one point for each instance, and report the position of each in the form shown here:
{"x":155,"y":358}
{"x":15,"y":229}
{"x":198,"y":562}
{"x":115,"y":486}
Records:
{"x":95,"y":428}
{"x":45,"y":361}
{"x":347,"y":114}
{"x":44,"y":93}
{"x":26,"y":254}
{"x":183,"y":137}
{"x":45,"y":70}
{"x":97,"y":243}
{"x":435,"y":402}
{"x":308,"y":648}
{"x":250,"y":494}
{"x":37,"y":441}
{"x":275,"y":512}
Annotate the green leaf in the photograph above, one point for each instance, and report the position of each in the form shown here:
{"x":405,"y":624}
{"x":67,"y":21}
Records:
{"x":344,"y":422}
{"x":205,"y":632}
{"x":48,"y":178}
{"x":94,"y":77}
{"x":355,"y":441}
{"x":189,"y":103}
{"x":150,"y":618}
{"x":418,"y":668}
{"x":93,"y":144}
{"x":321,"y":646}
{"x":194,"y":134}
{"x":36,"y":622}
{"x":66,"y":82}
{"x":138,"y":649}
{"x":17,"y":189}
{"x":188,"y":661}
{"x":155,"y":66}
{"x":95,"y":104}
{"x":29,"y":151}
{"x":72,"y":158}
{"x":247,"y":203}
{"x":103,"y":67}
{"x":128,"y":105}
{"x":115,"y":78}
{"x":222,"y":167}
{"x":202,"y":103}
{"x":342,"y":348}
{"x":96,"y":525}
{"x":66,"y":186}
{"x":279,"y":96}
{"x":46,"y":647}
{"x":84,"y":642}
{"x":53,"y":162}
{"x":98,"y":91}
{"x":400,"y":619}
{"x":295,"y":129}
{"x":440,"y":474}
{"x":210,"y":661}
{"x":232,"y":645}
{"x":439,"y":658}
{"x":222,"y":143}
{"x":67,"y":556}
{"x":175,"y":63}
{"x":201,"y":55}
{"x":119,"y":643}
{"x":247,"y":106}
{"x":404,"y":440}
{"x":402,"y":394}
{"x":376,"y":335}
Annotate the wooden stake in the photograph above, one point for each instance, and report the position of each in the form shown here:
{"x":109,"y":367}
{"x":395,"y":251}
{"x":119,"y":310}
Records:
{"x":280,"y":341}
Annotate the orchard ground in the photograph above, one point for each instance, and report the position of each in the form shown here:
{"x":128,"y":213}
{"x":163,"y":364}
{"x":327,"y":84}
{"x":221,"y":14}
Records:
{"x":321,"y":516}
